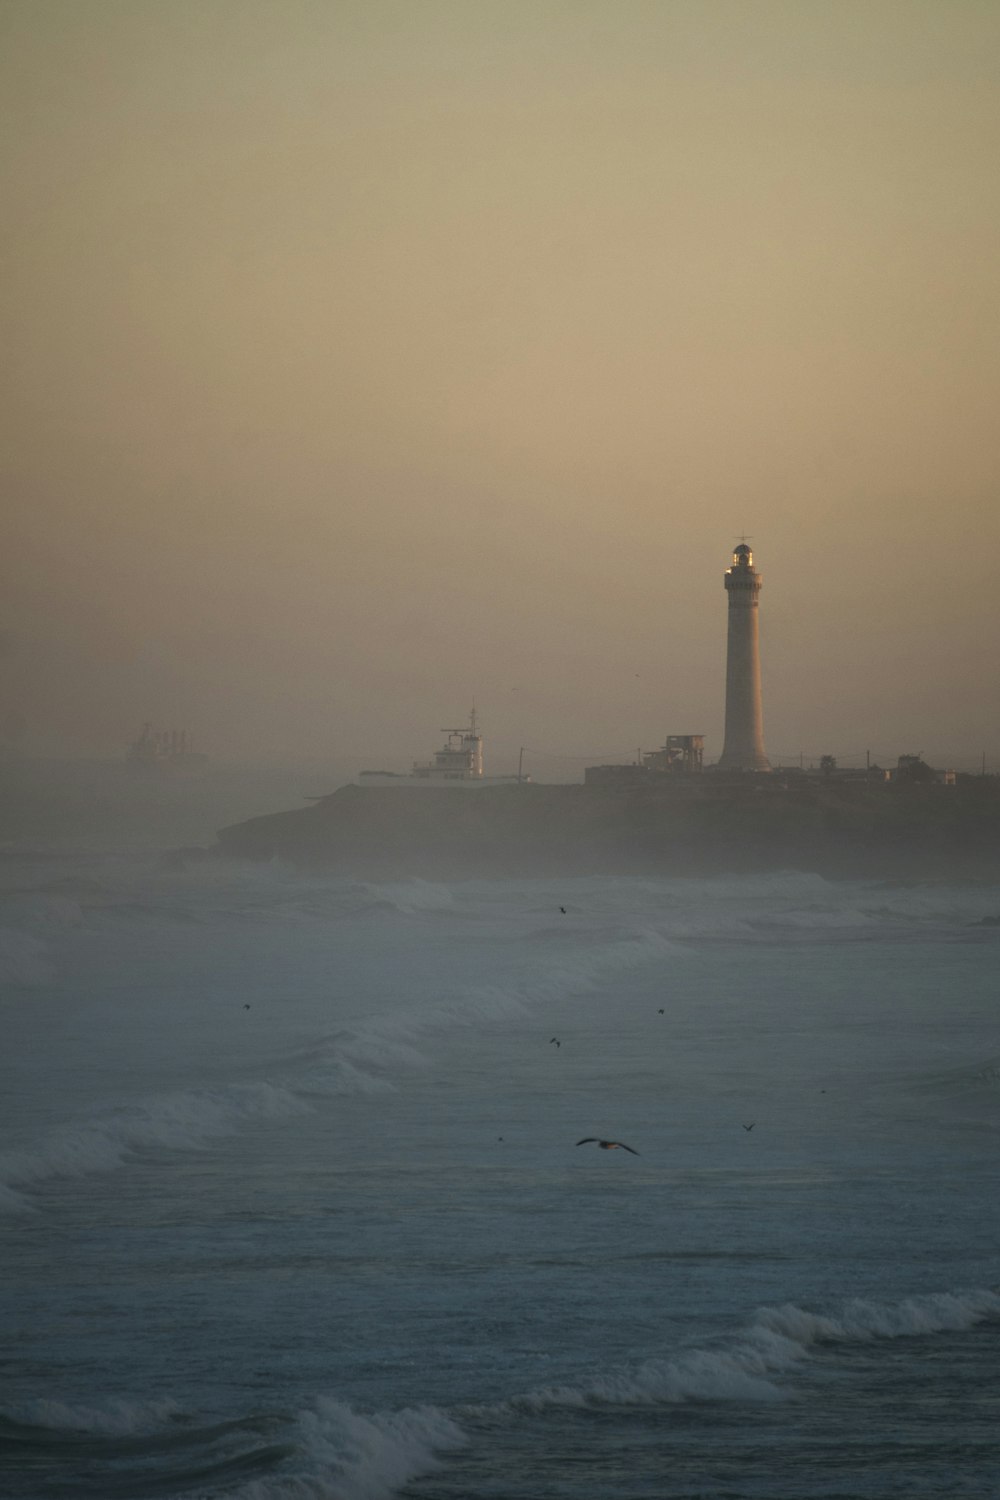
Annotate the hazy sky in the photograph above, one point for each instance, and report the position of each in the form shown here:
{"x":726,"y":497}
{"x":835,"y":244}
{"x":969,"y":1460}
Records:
{"x":365,"y":356}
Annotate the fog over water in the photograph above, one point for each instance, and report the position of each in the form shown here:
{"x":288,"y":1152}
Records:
{"x":367,"y":359}
{"x":292,"y":1205}
{"x":364,"y":358}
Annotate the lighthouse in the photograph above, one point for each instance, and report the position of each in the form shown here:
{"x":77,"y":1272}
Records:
{"x":743,"y":749}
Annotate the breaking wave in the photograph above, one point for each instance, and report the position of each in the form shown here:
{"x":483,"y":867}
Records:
{"x":358,"y":1061}
{"x":345,"y":1455}
{"x":744,"y":1368}
{"x":115,"y":1418}
{"x":329,"y":1450}
{"x":182,"y":1121}
{"x":861,"y":1321}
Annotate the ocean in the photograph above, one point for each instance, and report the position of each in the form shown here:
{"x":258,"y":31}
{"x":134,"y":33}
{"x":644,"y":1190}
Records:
{"x":292,"y":1205}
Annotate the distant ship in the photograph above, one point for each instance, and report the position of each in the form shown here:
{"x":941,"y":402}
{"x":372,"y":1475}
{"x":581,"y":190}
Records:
{"x":164,"y":750}
{"x":459,"y":763}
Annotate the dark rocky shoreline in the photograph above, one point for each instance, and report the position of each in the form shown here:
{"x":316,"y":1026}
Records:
{"x":696,"y":826}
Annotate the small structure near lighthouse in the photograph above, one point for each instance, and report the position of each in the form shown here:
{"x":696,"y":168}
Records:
{"x":743,"y":748}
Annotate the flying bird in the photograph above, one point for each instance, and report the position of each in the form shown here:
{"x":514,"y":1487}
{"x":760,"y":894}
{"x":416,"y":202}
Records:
{"x":750,"y":1127}
{"x":607,"y":1145}
{"x":563,"y":910}
{"x":246,"y":1007}
{"x":556,"y":1040}
{"x":660,"y":1011}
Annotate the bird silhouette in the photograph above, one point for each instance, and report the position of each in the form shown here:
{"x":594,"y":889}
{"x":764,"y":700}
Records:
{"x":556,"y":1040}
{"x":750,"y":1127}
{"x":246,"y":1007}
{"x":660,"y":1011}
{"x":563,"y":910}
{"x":607,"y":1145}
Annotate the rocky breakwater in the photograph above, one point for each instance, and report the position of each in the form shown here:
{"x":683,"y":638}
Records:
{"x":695,"y":826}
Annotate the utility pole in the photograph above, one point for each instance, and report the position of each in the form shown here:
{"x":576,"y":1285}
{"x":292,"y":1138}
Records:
{"x":868,"y":760}
{"x":520,"y":763}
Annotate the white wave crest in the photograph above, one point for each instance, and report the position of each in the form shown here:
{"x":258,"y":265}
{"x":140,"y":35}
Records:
{"x":351,"y":1456}
{"x":116,"y":1418}
{"x":777,"y":1339}
{"x":859,"y":1320}
{"x":415,"y":895}
{"x":183,"y":1121}
{"x":546,"y":983}
{"x":738,"y":1373}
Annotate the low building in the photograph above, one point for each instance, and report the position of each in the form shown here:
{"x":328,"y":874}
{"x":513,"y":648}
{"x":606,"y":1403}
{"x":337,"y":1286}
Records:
{"x":680,"y":755}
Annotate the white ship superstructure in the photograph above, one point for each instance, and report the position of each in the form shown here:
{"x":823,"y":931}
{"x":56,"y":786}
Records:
{"x":459,"y":763}
{"x":459,"y":759}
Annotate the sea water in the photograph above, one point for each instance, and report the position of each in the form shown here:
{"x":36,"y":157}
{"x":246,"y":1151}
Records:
{"x":292,"y":1205}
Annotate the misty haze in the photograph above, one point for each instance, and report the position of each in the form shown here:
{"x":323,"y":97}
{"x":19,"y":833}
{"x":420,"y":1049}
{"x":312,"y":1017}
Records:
{"x":615,"y":386}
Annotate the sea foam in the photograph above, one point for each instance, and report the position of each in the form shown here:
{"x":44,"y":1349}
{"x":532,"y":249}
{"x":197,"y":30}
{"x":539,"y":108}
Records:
{"x":347,"y":1455}
{"x":181,"y":1121}
{"x":113,"y":1418}
{"x":744,"y":1367}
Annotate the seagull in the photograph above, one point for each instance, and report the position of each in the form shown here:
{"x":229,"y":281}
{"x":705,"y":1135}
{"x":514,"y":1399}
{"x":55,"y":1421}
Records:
{"x":556,"y":1040}
{"x":660,"y":1011}
{"x":246,"y":1007}
{"x":607,"y":1145}
{"x":749,"y":1127}
{"x":563,"y":910}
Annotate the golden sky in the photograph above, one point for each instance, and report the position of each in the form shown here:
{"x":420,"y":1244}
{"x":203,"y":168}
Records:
{"x":367,"y":356}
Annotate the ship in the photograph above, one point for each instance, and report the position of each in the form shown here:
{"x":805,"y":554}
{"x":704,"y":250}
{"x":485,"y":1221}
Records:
{"x":166,"y":751}
{"x":459,"y":763}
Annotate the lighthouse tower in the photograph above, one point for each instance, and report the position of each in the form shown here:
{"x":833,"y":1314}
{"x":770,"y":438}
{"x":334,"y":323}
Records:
{"x":743,"y":749}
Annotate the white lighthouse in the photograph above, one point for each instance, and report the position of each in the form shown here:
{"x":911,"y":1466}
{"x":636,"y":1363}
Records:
{"x":743,"y":749}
